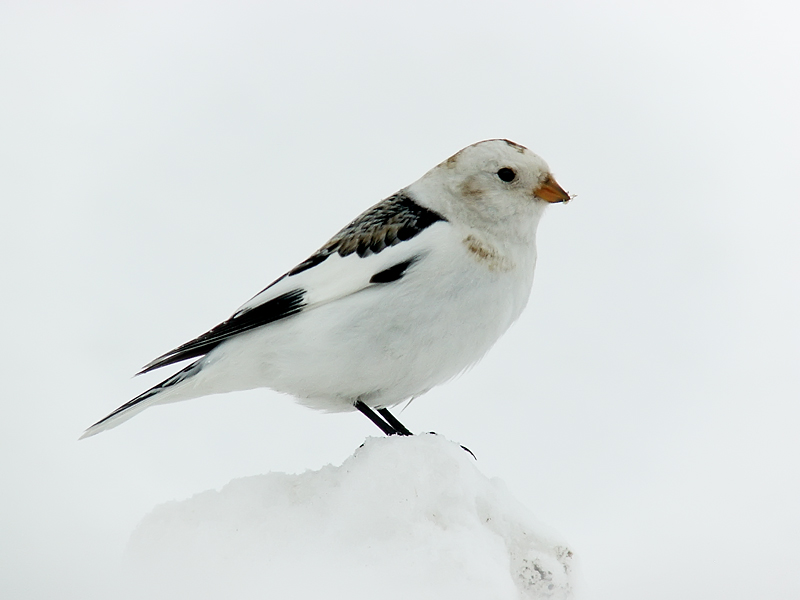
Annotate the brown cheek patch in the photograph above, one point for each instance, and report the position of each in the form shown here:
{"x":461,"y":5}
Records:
{"x":487,"y":255}
{"x":470,"y":189}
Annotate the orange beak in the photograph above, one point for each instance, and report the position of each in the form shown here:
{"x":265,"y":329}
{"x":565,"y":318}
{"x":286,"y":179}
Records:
{"x":550,"y":191}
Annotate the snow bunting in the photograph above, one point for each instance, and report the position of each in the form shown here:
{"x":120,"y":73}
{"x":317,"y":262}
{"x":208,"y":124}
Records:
{"x":411,"y":293}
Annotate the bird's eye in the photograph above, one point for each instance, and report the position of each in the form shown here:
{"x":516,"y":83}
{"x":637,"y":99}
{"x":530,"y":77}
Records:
{"x":506,"y":174}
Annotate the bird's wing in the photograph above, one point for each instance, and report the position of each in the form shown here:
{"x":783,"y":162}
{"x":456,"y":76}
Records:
{"x":375,"y":249}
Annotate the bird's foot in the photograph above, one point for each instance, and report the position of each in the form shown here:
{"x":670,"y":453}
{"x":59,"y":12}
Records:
{"x":463,"y":447}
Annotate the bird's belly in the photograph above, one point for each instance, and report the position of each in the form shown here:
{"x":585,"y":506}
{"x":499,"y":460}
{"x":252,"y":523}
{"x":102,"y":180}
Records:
{"x":381,"y":345}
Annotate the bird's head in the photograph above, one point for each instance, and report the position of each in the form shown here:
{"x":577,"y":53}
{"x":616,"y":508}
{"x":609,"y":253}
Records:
{"x":493,"y":181}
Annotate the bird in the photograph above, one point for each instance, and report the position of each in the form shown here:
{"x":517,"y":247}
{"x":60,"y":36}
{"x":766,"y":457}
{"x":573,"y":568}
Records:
{"x":407,"y":296}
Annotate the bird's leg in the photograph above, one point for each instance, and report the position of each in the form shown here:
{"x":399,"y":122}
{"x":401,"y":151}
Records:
{"x":392,"y":420}
{"x":387,"y":428}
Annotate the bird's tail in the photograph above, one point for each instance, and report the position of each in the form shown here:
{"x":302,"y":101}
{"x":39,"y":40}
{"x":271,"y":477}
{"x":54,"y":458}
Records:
{"x":155,"y":395}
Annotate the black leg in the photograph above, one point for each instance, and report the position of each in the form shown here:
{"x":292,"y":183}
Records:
{"x":387,"y":428}
{"x":391,"y":426}
{"x":392,"y":420}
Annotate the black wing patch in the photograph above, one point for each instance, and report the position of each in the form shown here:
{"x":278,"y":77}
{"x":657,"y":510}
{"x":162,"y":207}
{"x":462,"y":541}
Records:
{"x":283,"y":306}
{"x":394,"y":220}
{"x":394,"y":272}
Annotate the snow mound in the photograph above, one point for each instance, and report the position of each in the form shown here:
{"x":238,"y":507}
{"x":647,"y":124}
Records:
{"x":404,"y":517}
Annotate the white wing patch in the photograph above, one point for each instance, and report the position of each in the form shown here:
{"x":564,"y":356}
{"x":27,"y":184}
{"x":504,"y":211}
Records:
{"x":339,"y":276}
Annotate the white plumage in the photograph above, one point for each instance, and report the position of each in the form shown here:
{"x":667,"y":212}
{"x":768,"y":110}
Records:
{"x":411,"y":293}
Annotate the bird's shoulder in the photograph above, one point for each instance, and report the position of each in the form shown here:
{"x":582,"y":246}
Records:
{"x":396,"y":219}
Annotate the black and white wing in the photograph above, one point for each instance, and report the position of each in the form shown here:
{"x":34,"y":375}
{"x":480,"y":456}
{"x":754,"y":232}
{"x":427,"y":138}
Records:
{"x":374,"y":249}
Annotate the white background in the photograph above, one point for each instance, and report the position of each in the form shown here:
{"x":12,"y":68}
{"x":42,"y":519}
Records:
{"x":161,"y":163}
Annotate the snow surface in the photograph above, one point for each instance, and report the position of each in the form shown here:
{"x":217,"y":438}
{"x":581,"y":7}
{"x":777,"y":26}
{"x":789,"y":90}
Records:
{"x":403,"y":517}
